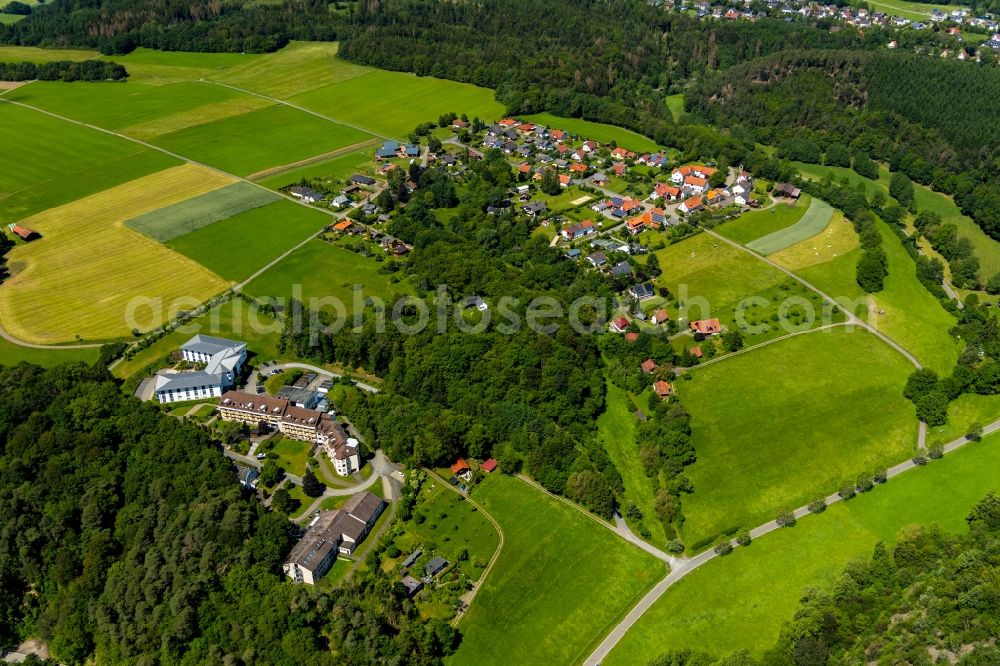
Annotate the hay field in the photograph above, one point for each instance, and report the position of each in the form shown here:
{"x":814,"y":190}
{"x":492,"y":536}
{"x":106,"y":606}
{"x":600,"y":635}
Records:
{"x":78,"y":279}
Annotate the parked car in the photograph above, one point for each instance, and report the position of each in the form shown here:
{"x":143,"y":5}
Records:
{"x":261,"y":456}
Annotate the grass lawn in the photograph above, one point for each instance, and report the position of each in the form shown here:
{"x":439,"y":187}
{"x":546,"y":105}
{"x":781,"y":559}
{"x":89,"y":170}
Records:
{"x":11,"y":354}
{"x":813,"y":222}
{"x":559,"y":585}
{"x":967,"y":410}
{"x":61,"y":287}
{"x":237,"y":247}
{"x":676,"y":105}
{"x":742,"y":601}
{"x":452,"y":525}
{"x":292,"y":455}
{"x":836,"y":240}
{"x":616,"y":428}
{"x":599,"y":132}
{"x":192,"y":214}
{"x":837,"y":278}
{"x":323,"y":270}
{"x":393,"y":103}
{"x":232,"y":320}
{"x":915,"y":11}
{"x":759,"y":223}
{"x":254,"y":141}
{"x":913,"y":316}
{"x":78,"y":162}
{"x":789,"y":422}
{"x":335,"y":502}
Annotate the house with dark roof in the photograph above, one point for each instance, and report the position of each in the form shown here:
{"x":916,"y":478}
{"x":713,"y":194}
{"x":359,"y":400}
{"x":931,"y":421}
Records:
{"x":642,"y":291}
{"x":787,"y":190}
{"x":411,"y":584}
{"x":388,"y":150}
{"x":434,"y":567}
{"x":362,"y":180}
{"x":621,"y":269}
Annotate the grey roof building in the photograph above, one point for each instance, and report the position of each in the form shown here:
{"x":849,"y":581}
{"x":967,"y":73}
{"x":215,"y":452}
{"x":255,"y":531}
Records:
{"x":223,"y":361}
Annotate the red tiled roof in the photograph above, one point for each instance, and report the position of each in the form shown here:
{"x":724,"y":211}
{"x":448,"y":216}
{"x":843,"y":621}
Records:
{"x":706,"y":326}
{"x":460,"y":466}
{"x":488,"y":465}
{"x":648,"y":366}
{"x":577,"y":166}
{"x":660,"y":316}
{"x":696,"y":352}
{"x":631,"y":336}
{"x":621,"y":322}
{"x":662,"y":388}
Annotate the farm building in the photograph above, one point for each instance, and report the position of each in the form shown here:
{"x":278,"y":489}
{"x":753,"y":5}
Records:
{"x":435,"y":566}
{"x":488,"y":465}
{"x":23,"y":233}
{"x":787,"y":190}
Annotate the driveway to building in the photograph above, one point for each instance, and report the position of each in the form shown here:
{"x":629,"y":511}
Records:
{"x":251,"y":386}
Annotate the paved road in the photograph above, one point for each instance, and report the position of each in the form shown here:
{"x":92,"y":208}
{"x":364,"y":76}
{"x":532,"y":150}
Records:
{"x":252,"y":386}
{"x":698,"y":560}
{"x":379,"y":470}
{"x":745,"y":350}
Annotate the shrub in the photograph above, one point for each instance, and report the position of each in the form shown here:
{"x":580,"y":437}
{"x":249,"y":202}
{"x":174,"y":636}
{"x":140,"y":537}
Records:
{"x":865,"y":483}
{"x":724,"y":547}
{"x":935,"y":450}
{"x":919,"y":460}
{"x":881,"y":475}
{"x":818,"y":505}
{"x":846,"y":490}
{"x":675,"y":547}
{"x":743,"y":537}
{"x":786,"y":519}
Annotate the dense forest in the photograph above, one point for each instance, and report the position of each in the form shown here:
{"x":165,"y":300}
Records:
{"x":126,"y":536}
{"x":63,"y":70}
{"x":932,"y":598}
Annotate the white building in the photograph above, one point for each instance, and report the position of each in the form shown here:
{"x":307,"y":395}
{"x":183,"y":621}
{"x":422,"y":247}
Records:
{"x":223,"y":361}
{"x":343,"y":454}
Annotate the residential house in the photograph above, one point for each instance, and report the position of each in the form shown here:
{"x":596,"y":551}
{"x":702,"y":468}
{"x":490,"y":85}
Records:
{"x":248,"y":477}
{"x":691,"y":205}
{"x":599,"y":179}
{"x":649,"y":366}
{"x":705,"y":326}
{"x":578,"y":167}
{"x":340,"y":201}
{"x":619,"y":168}
{"x":411,"y":585}
{"x":621,"y":269}
{"x":461,"y":469}
{"x":564,"y":180}
{"x":787,"y":190}
{"x":459,"y":124}
{"x":535,"y":208}
{"x":358,"y":179}
{"x":620,"y":324}
{"x":388,"y":150}
{"x":663,"y":389}
{"x":580,"y":230}
{"x":696,"y":352}
{"x":597,"y":259}
{"x":488,"y":465}
{"x":666,"y":192}
{"x":696,"y":170}
{"x":642,"y":292}
{"x":622,"y":154}
{"x":695,"y":184}
{"x":434,"y":567}
{"x":223,"y":361}
{"x":573,"y":253}
{"x":660,"y":317}
{"x":631,"y":336}
{"x":307,"y":194}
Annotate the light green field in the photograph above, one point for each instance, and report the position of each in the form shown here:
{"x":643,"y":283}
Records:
{"x":452,"y":525}
{"x":334,"y":171}
{"x":967,"y":410}
{"x":232,"y":320}
{"x":162,"y":67}
{"x":742,"y":600}
{"x":78,"y":162}
{"x":323,"y":270}
{"x":254,"y":141}
{"x":616,"y":428}
{"x":237,"y":247}
{"x":789,"y":422}
{"x":197,"y":212}
{"x":676,"y":105}
{"x":915,"y":11}
{"x":393,"y":103}
{"x":838,"y":278}
{"x":912,"y":316}
{"x":560,"y":583}
{"x":760,"y":223}
{"x":813,"y":221}
{"x":835,"y":240}
{"x":36,"y":55}
{"x":11,"y":354}
{"x":7,"y":19}
{"x":596,"y":131}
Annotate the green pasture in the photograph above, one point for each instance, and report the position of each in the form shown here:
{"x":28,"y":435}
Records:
{"x":254,"y":141}
{"x":11,"y":354}
{"x":197,"y":212}
{"x":781,"y":425}
{"x":813,"y":221}
{"x":324,"y":271}
{"x":334,"y":172}
{"x":237,"y":247}
{"x":599,"y":132}
{"x":964,"y":412}
{"x":163,"y":67}
{"x":560,"y":583}
{"x":676,"y":105}
{"x":37,"y":55}
{"x":742,"y":600}
{"x":77,"y":161}
{"x":761,"y":223}
{"x":838,"y":278}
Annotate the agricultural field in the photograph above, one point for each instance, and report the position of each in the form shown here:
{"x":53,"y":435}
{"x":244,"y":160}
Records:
{"x":759,"y":223}
{"x":323,"y":270}
{"x":11,"y":354}
{"x":197,"y":212}
{"x":261,"y":139}
{"x":78,"y":162}
{"x":964,"y":412}
{"x":332,"y":172}
{"x":915,"y":11}
{"x":61,"y":288}
{"x":237,"y":247}
{"x":596,"y":131}
{"x":837,"y":278}
{"x":742,"y":600}
{"x":616,"y":428}
{"x":835,"y":240}
{"x":813,"y":221}
{"x":164,"y":67}
{"x":540,"y":595}
{"x":762,"y":421}
{"x":37,"y":55}
{"x":909,"y":314}
{"x":233,"y":320}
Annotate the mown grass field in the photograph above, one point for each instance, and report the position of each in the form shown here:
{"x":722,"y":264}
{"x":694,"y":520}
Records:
{"x":835,"y":240}
{"x":789,"y":422}
{"x":559,"y":584}
{"x":759,"y":223}
{"x":62,"y":287}
{"x":812,"y":222}
{"x":967,"y":410}
{"x":264,"y":138}
{"x":325,"y":271}
{"x":163,"y":67}
{"x":233,"y":320}
{"x":334,"y":171}
{"x":37,"y":55}
{"x":11,"y":354}
{"x":237,"y":247}
{"x":77,"y":162}
{"x":913,"y":317}
{"x":742,"y":600}
{"x":197,"y":212}
{"x":915,"y":11}
{"x":616,"y":428}
{"x":596,"y":131}
{"x":452,"y":525}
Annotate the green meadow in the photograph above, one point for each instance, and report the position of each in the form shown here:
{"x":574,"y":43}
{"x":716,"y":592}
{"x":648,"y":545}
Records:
{"x":322,"y":270}
{"x":759,"y":223}
{"x":197,"y":212}
{"x":676,"y":105}
{"x":789,"y":422}
{"x":966,"y":411}
{"x":163,"y":67}
{"x":560,"y":583}
{"x":268,"y":137}
{"x":78,"y":161}
{"x":596,"y":131}
{"x":334,"y":171}
{"x":742,"y":600}
{"x":238,"y":246}
{"x":11,"y":354}
{"x":812,"y":222}
{"x":37,"y":55}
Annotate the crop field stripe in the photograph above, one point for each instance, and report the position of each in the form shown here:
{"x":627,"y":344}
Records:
{"x":192,"y":214}
{"x":815,"y":219}
{"x":315,"y":159}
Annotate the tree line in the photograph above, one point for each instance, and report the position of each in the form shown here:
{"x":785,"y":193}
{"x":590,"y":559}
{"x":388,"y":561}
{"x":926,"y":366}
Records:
{"x":63,"y":70}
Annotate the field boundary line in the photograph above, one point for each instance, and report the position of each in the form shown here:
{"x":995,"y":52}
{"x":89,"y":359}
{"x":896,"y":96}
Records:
{"x":745,"y":350}
{"x":577,"y":507}
{"x":278,"y":170}
{"x":496,"y":554}
{"x":278,"y":100}
{"x":613,"y":638}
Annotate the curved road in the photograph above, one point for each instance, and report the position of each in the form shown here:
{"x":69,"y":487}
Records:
{"x":687,"y":566}
{"x":318,"y":371}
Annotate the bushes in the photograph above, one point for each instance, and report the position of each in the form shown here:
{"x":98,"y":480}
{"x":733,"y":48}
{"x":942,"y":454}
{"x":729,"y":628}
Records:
{"x":786,"y":519}
{"x":818,"y":505}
